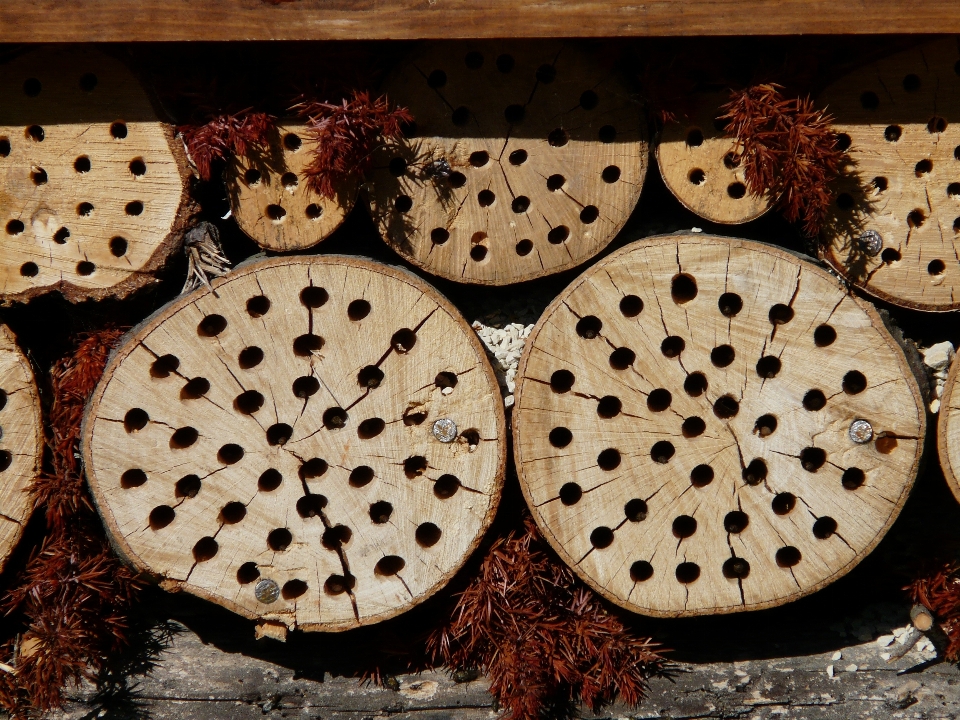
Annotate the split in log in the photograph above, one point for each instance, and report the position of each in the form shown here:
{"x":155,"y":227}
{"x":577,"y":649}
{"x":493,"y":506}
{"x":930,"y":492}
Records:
{"x":708,"y":425}
{"x":525,"y":160}
{"x":316,"y":441}
{"x":272,"y":200}
{"x":700,"y":165}
{"x":948,"y":430}
{"x":93,"y":190}
{"x":21,"y":441}
{"x":894,"y":229}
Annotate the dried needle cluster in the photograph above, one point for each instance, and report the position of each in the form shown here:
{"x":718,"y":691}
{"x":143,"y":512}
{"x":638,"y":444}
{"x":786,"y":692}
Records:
{"x":939,"y":592}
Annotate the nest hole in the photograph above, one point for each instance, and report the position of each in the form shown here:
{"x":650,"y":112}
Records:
{"x":726,"y":407}
{"x":609,"y":459}
{"x":232,"y":513}
{"x":380,"y":512}
{"x":211,"y":326}
{"x":768,"y":366}
{"x":188,"y":486}
{"x":755,"y":472}
{"x":358,"y":310}
{"x":693,"y":427}
{"x":701,"y":476}
{"x":936,"y":124}
{"x":133,"y":208}
{"x":737,"y":190}
{"x":524,"y":247}
{"x":697,"y":176}
{"x":936,"y":267}
{"x":250,"y":357}
{"x":446,"y":486}
{"x":556,"y":182}
{"x":307,"y":345}
{"x":558,"y":235}
{"x":735,"y":522}
{"x":279,"y":539}
{"x":313,"y":468}
{"x":824,"y":336}
{"x":636,"y":510}
{"x":607,"y":134}
{"x":765,"y":426}
{"x":589,"y":326}
{"x":438,"y":236}
{"x":427,"y":534}
{"x":414,"y":466}
{"x":520,"y":204}
{"x":36,"y":133}
{"x":29,"y":269}
{"x":683,"y":288}
{"x":788,"y":557}
{"x":248,"y":402}
{"x":687,"y":572}
{"x":247,"y":573}
{"x":118,"y":245}
{"x":672,"y":346}
{"x":460,"y":116}
{"x":414,"y":415}
{"x":314,"y":296}
{"x":361,"y":476}
{"x":610,"y":174}
{"x":132,"y":478}
{"x":403,"y":203}
{"x":269,"y":480}
{"x":812,"y":458}
{"x":15,"y":227}
{"x":135,"y":420}
{"x":622,"y":358}
{"x":783,"y":503}
{"x":292,"y":142}
{"x":609,"y":407}
{"x":684,"y":526}
{"x":854,"y":382}
{"x":292,"y":589}
{"x":561,"y":381}
{"x":892,"y":133}
{"x":915,"y":218}
{"x":869,"y":100}
{"x":558,"y":137}
{"x":659,"y":400}
{"x":183,"y":438}
{"x":723,"y":356}
{"x":389,"y":565}
{"x":279,"y":434}
{"x":694,"y":137}
{"x":662,"y":451}
{"x":517,"y":157}
{"x":570,"y":493}
{"x":814,"y":400}
{"x":631,"y":306}
{"x":85,"y":268}
{"x":730,"y":304}
{"x":258,"y":306}
{"x":780,"y":314}
{"x":824,"y":527}
{"x":205,"y":549}
{"x":369,"y":377}
{"x":230,"y":454}
{"x":289,"y":181}
{"x":601,"y":537}
{"x":853,"y":478}
{"x":641,"y":571}
{"x":370,"y":428}
{"x":335,"y":537}
{"x":338,"y":584}
{"x":735,"y":568}
{"x":560,"y":437}
{"x":403,"y":340}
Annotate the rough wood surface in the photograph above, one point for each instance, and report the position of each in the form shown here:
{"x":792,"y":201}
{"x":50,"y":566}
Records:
{"x":684,"y":426}
{"x":272,"y":201}
{"x":948,"y":431}
{"x":900,"y":116}
{"x":271,"y":445}
{"x":156,"y":20}
{"x":21,"y":441}
{"x":699,"y":165}
{"x":526,"y":160}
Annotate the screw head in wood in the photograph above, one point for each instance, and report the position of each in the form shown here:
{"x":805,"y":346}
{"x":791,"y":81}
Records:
{"x":445,"y":430}
{"x":871,"y":243}
{"x":861,"y":432}
{"x":267,"y":591}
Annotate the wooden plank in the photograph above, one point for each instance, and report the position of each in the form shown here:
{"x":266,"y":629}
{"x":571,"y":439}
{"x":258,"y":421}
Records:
{"x":169,"y":20}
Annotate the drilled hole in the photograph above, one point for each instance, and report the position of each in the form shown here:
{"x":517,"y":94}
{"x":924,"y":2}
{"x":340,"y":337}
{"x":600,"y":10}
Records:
{"x":892,"y":133}
{"x":845,"y":201}
{"x":684,"y":526}
{"x":765,"y":426}
{"x":380,"y":512}
{"x":736,"y":190}
{"x":447,"y":485}
{"x":609,"y":459}
{"x":726,"y":407}
{"x":85,"y":209}
{"x":768,"y":366}
{"x":313,"y":468}
{"x":723,"y":356}
{"x":783,"y":503}
{"x":869,"y":100}
{"x":85,"y":268}
{"x":118,"y":245}
{"x":735,"y":522}
{"x":335,"y":584}
{"x":659,"y":400}
{"x":60,"y":237}
{"x":370,"y":428}
{"x":249,"y":402}
{"x":205,"y":549}
{"x":29,"y":269}
{"x":936,"y":125}
{"x":687,"y":572}
{"x":683,"y":289}
{"x":607,"y":134}
{"x":755,"y":472}
{"x":558,"y":137}
{"x":662,"y":451}
{"x":195,"y":388}
{"x":731,"y":161}
{"x":589,"y":214}
{"x":631,"y":306}
{"x":457,"y":179}
{"x":414,"y":466}
{"x":369,"y":377}
{"x":478,"y":253}
{"x":701,"y":476}
{"x":335,"y":537}
{"x":212,"y":325}
{"x":561,"y":381}
{"x":555,"y":182}
{"x":361,"y":476}
{"x":936,"y":267}
{"x":812,"y":458}
{"x":730,"y":304}
{"x":460,"y":116}
{"x":427,"y":534}
{"x":133,"y":208}
{"x":439,"y":236}
{"x":609,"y":407}
{"x":853,"y":478}
{"x":546,"y":74}
{"x":161,"y":516}
{"x":334,"y":418}
{"x":313,"y":211}
{"x":292,"y":142}
{"x":589,"y":327}
{"x":558,"y":235}
{"x":279,"y":539}
{"x":306,"y":345}
{"x":403,"y":203}
{"x":414,"y":416}
{"x":524,"y":248}
{"x":135,"y":477}
{"x":135,"y":420}
{"x":879,"y":183}
{"x":289,"y":180}
{"x":313,"y":296}
{"x":183,"y":438}
{"x":250,"y":357}
{"x":4,"y":147}
{"x":693,"y":427}
{"x":824,"y":527}
{"x":641,"y":571}
{"x":735,"y":568}
{"x":403,"y":340}
{"x":788,"y":557}
{"x":923,"y":167}
{"x":610,"y":174}
{"x":601,"y":537}
{"x":824,"y":336}
{"x":635,"y":510}
{"x":622,"y":358}
{"x":780,"y":314}
{"x":854,"y":382}
{"x":560,"y":437}
{"x":233,"y":512}
{"x":15,"y":227}
{"x":570,"y":493}
{"x":437,"y":79}
{"x":514,"y":113}
{"x":520,"y":204}
{"x":36,"y":133}
{"x":697,"y":177}
{"x":258,"y":306}
{"x":247,"y":573}
{"x":389,"y":565}
{"x":269,"y":480}
{"x":279,"y":434}
{"x":672,"y":346}
{"x":39,"y":176}
{"x":915,"y":218}
{"x":814,"y":400}
{"x":695,"y":137}
{"x":230,"y":454}
{"x":518,"y":157}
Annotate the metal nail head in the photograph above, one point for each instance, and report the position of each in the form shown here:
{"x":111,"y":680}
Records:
{"x":445,"y":430}
{"x":871,"y":243}
{"x":267,"y":591}
{"x":861,"y":432}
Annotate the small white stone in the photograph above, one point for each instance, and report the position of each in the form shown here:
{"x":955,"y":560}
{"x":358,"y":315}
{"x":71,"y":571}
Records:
{"x":885,"y":640}
{"x":852,"y":667}
{"x":508,"y":401}
{"x":446,"y":391}
{"x":837,"y":655}
{"x":696,"y":229}
{"x":939,"y":356}
{"x":885,"y":656}
{"x":829,"y":670}
{"x":935,"y":405}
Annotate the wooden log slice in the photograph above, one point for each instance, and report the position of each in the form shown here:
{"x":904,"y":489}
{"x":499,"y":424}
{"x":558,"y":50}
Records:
{"x":700,"y":166}
{"x":21,"y":441}
{"x":525,"y":160}
{"x":93,"y":188}
{"x":708,"y":425}
{"x":948,"y":431}
{"x":272,"y":200}
{"x":894,"y":229}
{"x":317,"y":442}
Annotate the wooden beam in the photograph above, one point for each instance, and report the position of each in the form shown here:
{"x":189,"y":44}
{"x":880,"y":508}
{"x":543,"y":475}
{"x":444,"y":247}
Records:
{"x":176,"y":20}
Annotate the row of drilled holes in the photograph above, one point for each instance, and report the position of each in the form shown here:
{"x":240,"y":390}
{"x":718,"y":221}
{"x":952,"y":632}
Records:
{"x":6,"y":457}
{"x":32,"y":86}
{"x":735,"y":568}
{"x":37,"y":133}
{"x":735,"y":190}
{"x":911,"y":83}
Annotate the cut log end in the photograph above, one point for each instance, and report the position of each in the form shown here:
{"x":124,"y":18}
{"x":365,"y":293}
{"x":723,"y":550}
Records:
{"x":283,"y":444}
{"x":707,"y":425}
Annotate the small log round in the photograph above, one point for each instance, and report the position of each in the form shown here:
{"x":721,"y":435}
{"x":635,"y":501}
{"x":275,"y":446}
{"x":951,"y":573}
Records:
{"x":525,"y":160}
{"x":21,"y":441}
{"x":701,"y":167}
{"x":271,"y":197}
{"x":317,"y":442}
{"x":948,"y":430}
{"x":93,"y":187}
{"x":894,"y":229}
{"x":708,"y":425}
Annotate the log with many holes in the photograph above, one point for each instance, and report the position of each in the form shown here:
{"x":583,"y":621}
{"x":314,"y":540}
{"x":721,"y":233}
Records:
{"x":21,"y":441}
{"x":317,"y":442}
{"x":708,"y":425}
{"x":525,"y":160}
{"x":93,"y":187}
{"x":894,"y":229}
{"x":272,"y":200}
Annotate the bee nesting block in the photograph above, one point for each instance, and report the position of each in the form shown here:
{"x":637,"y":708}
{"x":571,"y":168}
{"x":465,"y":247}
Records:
{"x":272,"y":200}
{"x":701,"y":166}
{"x":21,"y":441}
{"x":708,"y":425}
{"x":93,"y":189}
{"x":316,"y":441}
{"x":524,"y":161}
{"x":894,"y":228}
{"x":948,"y":431}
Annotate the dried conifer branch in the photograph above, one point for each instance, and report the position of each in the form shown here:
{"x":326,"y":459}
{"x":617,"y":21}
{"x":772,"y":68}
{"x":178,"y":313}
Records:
{"x":219,"y":137}
{"x":345,"y":135}
{"x":543,"y":638}
{"x":204,"y":256}
{"x":75,"y":594}
{"x":939,"y":591}
{"x":787,"y":149}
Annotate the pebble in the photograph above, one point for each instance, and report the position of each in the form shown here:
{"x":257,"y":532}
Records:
{"x":829,"y":670}
{"x":937,"y":359}
{"x":837,"y":655}
{"x":885,"y":640}
{"x":852,"y":667}
{"x":505,"y":341}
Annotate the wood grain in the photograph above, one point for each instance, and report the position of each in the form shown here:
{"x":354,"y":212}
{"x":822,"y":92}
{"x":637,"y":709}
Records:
{"x":526,"y":160}
{"x":93,"y":187}
{"x":21,"y":441}
{"x":948,"y":430}
{"x":635,"y":471}
{"x":272,"y":201}
{"x":901,"y":116}
{"x":354,"y":523}
{"x":158,"y":20}
{"x":700,"y":166}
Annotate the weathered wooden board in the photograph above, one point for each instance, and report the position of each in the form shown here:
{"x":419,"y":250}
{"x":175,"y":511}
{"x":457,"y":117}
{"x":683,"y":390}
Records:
{"x":315,"y":442}
{"x":159,"y":20}
{"x":709,"y":425}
